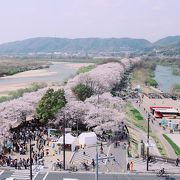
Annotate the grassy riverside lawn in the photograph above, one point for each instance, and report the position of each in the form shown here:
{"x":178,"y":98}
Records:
{"x":85,"y":69}
{"x":134,"y":140}
{"x":19,"y":93}
{"x":173,"y":145}
{"x":159,"y":145}
{"x":134,"y":117}
{"x":143,"y":75}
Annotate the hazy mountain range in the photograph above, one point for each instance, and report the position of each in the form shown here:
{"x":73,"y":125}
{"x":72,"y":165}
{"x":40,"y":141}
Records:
{"x":87,"y":45}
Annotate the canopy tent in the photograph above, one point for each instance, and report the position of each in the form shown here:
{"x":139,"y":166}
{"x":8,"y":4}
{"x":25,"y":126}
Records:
{"x":69,"y":140}
{"x":87,"y":138}
{"x":164,"y":122}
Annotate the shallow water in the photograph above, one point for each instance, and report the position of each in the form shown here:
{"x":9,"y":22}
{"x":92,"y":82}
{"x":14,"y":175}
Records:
{"x":165,"y":78}
{"x":63,"y":72}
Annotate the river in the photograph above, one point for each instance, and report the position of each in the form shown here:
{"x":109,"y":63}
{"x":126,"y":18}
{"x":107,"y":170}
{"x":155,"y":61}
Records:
{"x":165,"y":78}
{"x":57,"y":72}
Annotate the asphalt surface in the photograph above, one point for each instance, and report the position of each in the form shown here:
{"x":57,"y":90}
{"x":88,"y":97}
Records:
{"x":91,"y":176}
{"x":5,"y":175}
{"x":85,"y":176}
{"x":40,"y":176}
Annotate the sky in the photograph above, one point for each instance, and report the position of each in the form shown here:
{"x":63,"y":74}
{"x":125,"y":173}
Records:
{"x":148,"y":19}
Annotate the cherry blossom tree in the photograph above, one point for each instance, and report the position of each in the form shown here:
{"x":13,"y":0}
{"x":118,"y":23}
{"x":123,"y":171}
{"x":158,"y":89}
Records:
{"x":100,"y":79}
{"x":99,"y":112}
{"x":11,"y":111}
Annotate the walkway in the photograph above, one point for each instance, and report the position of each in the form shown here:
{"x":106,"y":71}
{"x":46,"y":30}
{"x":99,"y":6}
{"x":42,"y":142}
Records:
{"x":140,"y":166}
{"x":117,"y":164}
{"x":143,"y":136}
{"x":157,"y":131}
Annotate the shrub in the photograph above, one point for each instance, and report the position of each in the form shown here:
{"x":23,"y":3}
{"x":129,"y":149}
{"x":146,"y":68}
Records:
{"x":82,"y":91}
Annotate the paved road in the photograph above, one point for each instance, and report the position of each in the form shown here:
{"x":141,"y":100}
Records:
{"x":17,"y":174}
{"x":5,"y":175}
{"x":116,"y":165}
{"x":91,"y":176}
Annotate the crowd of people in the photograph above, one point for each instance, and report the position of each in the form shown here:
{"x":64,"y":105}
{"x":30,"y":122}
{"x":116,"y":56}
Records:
{"x":16,"y":148}
{"x":17,"y":164}
{"x":18,"y":144}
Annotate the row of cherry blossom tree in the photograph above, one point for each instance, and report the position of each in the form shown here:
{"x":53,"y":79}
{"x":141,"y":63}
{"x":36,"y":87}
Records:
{"x":99,"y":112}
{"x":102,"y":111}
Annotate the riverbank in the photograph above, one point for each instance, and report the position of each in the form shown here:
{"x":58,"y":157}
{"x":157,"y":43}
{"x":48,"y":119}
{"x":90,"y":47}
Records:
{"x":10,"y":67}
{"x":143,"y":75}
{"x":31,"y":73}
{"x":48,"y":75}
{"x":154,"y":77}
{"x":20,"y":92}
{"x":45,"y":72}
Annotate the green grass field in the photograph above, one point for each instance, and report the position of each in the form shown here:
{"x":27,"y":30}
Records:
{"x":85,"y":69}
{"x":173,"y":145}
{"x":19,"y":93}
{"x":134,"y":117}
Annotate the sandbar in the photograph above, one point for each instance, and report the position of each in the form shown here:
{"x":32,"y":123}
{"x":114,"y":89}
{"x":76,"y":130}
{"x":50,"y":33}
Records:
{"x":31,"y":73}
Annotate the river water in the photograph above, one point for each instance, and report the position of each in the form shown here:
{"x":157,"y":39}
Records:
{"x":60,"y":72}
{"x":165,"y":78}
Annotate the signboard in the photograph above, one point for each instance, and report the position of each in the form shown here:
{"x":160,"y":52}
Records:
{"x":67,"y":130}
{"x":149,"y":145}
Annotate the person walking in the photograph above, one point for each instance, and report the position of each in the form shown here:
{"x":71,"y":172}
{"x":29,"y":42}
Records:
{"x":128,"y":166}
{"x":177,"y":162}
{"x":131,"y":166}
{"x":25,"y":163}
{"x":93,"y":164}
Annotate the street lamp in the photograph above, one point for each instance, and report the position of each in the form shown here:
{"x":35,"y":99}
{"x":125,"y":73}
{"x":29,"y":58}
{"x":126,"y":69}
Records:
{"x":31,"y":145}
{"x":147,"y":166}
{"x":96,"y":175}
{"x":62,"y":122}
{"x":97,"y":159}
{"x":64,"y":153}
{"x":30,"y":154}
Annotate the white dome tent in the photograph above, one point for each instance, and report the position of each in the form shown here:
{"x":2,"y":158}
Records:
{"x":87,"y":138}
{"x":69,"y":140}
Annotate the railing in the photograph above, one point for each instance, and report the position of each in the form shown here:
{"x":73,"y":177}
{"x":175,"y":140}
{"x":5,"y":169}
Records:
{"x":163,"y":159}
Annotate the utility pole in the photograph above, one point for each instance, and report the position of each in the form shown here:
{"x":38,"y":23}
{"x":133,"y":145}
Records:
{"x":30,"y":154}
{"x":96,"y":175}
{"x":30,"y":160}
{"x":64,"y":126}
{"x":147,"y":167}
{"x":97,"y":159}
{"x":77,"y":127}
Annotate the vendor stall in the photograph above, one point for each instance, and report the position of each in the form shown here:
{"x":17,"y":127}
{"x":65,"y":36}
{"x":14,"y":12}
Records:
{"x":87,"y":138}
